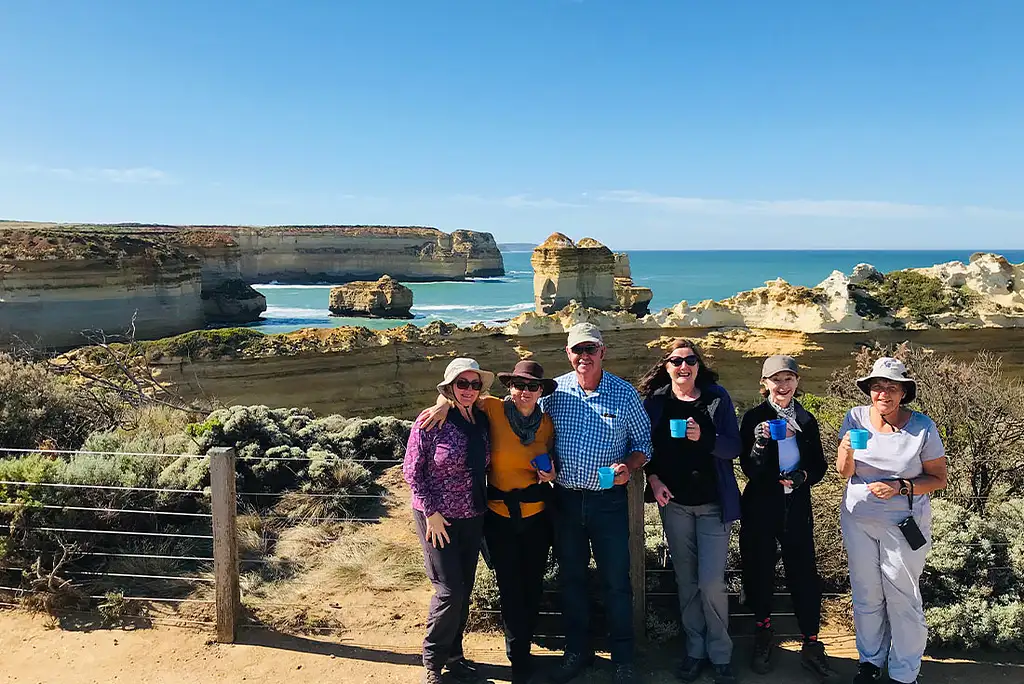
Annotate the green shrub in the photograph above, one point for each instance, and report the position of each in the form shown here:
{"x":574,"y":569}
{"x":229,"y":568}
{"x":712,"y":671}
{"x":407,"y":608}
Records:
{"x":39,"y":408}
{"x":972,"y":586}
{"x":921,"y":295}
{"x":203,"y":344}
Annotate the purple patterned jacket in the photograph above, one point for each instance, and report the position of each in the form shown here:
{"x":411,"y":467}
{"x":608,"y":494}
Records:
{"x":435,"y":468}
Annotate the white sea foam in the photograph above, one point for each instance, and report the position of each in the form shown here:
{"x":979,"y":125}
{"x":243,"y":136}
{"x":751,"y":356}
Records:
{"x":293,"y":312}
{"x":278,"y":286}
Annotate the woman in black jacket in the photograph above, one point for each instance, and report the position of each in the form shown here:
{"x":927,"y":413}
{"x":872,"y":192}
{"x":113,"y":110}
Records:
{"x":776,"y":509}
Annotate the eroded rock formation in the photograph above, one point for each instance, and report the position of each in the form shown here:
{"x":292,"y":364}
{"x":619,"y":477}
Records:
{"x":564,"y":271}
{"x":226,"y":297}
{"x":629,"y":297}
{"x":385,"y":298}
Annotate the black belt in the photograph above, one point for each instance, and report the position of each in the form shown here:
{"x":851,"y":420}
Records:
{"x":514,"y":498}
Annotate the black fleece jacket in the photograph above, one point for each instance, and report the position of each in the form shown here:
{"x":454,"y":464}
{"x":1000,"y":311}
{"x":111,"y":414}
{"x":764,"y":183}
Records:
{"x":763,"y":493}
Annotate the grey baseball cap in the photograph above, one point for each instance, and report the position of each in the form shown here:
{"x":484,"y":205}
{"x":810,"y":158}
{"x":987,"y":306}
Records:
{"x":584,"y":332}
{"x":777,"y":364}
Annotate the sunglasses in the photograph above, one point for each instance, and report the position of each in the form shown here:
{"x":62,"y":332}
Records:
{"x":581,"y":349}
{"x":464,"y":384}
{"x":678,"y":361}
{"x":526,"y":386}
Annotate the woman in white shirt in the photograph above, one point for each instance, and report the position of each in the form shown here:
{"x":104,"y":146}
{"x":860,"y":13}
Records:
{"x":886,"y":519}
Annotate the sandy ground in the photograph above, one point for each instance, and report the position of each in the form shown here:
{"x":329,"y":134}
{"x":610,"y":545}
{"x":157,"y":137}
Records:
{"x":33,"y":650}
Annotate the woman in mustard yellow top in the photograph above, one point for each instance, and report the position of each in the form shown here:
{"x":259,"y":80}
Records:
{"x":516,"y":525}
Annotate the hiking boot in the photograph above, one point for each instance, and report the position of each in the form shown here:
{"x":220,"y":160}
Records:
{"x":690,"y":668}
{"x":813,"y":658}
{"x":463,"y":670}
{"x":572,"y":666}
{"x":626,"y":674}
{"x":867,"y":674}
{"x":431,"y":677}
{"x":764,"y":649}
{"x":724,"y":674}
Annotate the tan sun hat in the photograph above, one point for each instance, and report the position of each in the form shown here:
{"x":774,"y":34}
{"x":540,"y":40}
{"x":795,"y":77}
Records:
{"x":461,"y":365}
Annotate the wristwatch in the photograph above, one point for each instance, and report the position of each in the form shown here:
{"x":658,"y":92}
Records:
{"x":904,"y":488}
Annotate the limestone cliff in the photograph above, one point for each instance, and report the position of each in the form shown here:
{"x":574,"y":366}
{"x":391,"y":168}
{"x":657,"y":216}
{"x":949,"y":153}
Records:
{"x":227,"y":298}
{"x":385,"y":298}
{"x":56,"y":286}
{"x":309,"y":254}
{"x":361,"y":372}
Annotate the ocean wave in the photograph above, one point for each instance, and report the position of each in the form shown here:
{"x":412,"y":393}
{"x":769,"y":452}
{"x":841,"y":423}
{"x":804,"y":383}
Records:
{"x":278,"y":286}
{"x":475,"y":308}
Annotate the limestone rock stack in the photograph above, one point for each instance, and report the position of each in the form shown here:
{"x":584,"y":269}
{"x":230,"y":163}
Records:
{"x":564,"y":271}
{"x":385,"y":298}
{"x":629,"y":297}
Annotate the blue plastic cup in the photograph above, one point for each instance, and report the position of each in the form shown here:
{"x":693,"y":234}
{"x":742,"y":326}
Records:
{"x":777,"y":429}
{"x":606,"y":477}
{"x":542,"y":462}
{"x":677,"y":427}
{"x":859,"y":439}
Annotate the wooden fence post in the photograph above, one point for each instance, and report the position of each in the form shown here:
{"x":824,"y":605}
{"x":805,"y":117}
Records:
{"x":225,"y":542}
{"x":637,"y":555}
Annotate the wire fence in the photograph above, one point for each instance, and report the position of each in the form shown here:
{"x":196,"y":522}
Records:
{"x":132,"y":549}
{"x":89,"y":544}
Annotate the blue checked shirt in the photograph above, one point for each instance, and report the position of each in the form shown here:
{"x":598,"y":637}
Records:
{"x":595,"y":430}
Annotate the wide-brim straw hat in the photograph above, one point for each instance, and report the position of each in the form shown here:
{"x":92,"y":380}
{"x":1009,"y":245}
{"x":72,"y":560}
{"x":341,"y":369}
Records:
{"x":461,"y":365}
{"x":890,"y":369}
{"x":529,"y":370}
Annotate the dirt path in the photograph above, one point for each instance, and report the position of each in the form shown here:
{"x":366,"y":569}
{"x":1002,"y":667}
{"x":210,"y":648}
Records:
{"x":31,"y":652}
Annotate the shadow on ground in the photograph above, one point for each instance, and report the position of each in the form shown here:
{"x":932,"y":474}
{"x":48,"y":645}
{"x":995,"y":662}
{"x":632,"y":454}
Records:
{"x":656,"y":662}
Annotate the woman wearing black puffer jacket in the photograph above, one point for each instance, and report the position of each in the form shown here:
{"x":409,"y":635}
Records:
{"x":776,"y":510}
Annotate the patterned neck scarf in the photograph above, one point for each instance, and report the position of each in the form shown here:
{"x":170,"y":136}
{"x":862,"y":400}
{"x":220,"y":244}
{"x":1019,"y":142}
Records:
{"x":788,"y":414}
{"x":525,"y":427}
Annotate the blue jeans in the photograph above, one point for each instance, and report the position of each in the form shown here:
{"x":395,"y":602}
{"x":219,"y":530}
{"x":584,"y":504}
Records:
{"x":598,"y":519}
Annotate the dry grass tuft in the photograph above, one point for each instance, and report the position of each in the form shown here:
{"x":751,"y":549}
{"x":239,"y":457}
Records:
{"x":374,"y":564}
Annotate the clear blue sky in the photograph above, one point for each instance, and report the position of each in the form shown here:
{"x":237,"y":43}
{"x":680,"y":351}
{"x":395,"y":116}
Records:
{"x":670,"y":124}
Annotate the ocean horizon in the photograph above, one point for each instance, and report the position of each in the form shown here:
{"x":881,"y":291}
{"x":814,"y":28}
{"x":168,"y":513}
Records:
{"x":673,"y":276}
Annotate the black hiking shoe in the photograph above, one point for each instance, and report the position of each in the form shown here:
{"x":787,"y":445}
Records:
{"x":689,"y":669}
{"x":764,"y":650}
{"x":571,"y":667}
{"x":724,"y":674}
{"x":465,"y":671}
{"x":813,"y":658}
{"x":431,"y":677}
{"x":867,"y":674}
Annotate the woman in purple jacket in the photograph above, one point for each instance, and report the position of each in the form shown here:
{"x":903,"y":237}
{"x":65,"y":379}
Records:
{"x":446,"y":471}
{"x":696,"y":438}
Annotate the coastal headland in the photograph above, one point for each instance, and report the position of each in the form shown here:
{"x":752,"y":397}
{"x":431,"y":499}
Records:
{"x":58,"y":280}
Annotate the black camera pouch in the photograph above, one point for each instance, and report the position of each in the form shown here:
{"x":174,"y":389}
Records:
{"x":911,"y":532}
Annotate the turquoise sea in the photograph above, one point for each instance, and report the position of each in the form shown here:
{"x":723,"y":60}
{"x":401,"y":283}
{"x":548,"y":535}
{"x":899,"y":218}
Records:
{"x":672,"y":275}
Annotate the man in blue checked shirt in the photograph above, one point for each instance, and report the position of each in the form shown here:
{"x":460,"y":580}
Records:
{"x":599,"y":422}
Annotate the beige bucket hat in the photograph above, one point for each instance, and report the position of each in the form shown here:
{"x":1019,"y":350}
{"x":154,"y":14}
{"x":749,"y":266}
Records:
{"x":890,"y":369}
{"x":461,"y":365}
